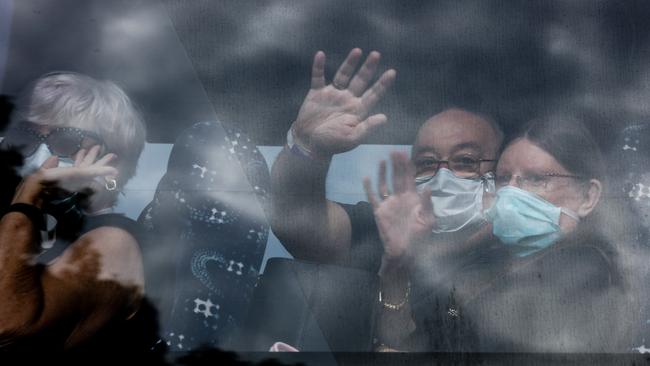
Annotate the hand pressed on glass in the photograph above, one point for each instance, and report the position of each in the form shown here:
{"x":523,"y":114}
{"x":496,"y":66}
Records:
{"x":335,"y":118}
{"x":403,"y":216}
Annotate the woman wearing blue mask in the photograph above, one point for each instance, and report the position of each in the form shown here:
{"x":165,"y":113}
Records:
{"x":554,"y":279}
{"x":549,"y":180}
{"x":564,"y":288}
{"x":70,"y":269}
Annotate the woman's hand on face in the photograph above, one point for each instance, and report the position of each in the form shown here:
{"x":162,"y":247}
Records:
{"x":77,"y":178}
{"x":403,"y":217}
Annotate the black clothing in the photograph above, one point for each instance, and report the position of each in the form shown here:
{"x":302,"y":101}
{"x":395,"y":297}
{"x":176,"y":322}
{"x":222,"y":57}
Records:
{"x":133,"y":330}
{"x":570,"y":297}
{"x":84,"y":225}
{"x":313,"y":307}
{"x":366,"y":248}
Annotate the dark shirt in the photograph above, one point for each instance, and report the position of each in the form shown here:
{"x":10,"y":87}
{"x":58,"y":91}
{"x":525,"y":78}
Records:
{"x":132,"y":330}
{"x":570,"y":297}
{"x":366,"y":248}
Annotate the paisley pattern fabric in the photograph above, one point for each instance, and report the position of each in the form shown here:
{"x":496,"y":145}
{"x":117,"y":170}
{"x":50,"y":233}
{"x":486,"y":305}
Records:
{"x":207,"y":235}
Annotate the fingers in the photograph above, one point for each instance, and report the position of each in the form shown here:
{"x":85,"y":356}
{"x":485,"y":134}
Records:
{"x":50,"y":162}
{"x":79,"y":156}
{"x":89,"y":172}
{"x":402,"y":173}
{"x":105,"y":159}
{"x":398,"y":186}
{"x":91,"y":156}
{"x":84,"y":159}
{"x":361,"y":80}
{"x":346,"y":70}
{"x":377,"y":91}
{"x":367,"y":186}
{"x":318,"y":71}
{"x":96,"y":171}
{"x":85,"y":167}
{"x":381,"y":183}
{"x":425,"y":200}
{"x":425,"y":214}
{"x":364,"y":128}
{"x":409,"y":176}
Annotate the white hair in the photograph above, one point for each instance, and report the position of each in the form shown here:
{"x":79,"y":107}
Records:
{"x":74,"y":100}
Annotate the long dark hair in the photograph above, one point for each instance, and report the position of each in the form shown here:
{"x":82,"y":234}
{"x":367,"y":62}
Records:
{"x":569,"y":141}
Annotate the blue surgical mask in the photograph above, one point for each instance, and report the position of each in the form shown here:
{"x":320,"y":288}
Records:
{"x":525,"y":221}
{"x":457,"y":202}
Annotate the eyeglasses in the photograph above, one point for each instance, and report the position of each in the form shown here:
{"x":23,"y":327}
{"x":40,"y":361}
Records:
{"x":62,"y":141}
{"x":462,"y":165}
{"x":532,"y":182}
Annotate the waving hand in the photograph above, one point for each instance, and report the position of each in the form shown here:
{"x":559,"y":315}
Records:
{"x":335,"y":118}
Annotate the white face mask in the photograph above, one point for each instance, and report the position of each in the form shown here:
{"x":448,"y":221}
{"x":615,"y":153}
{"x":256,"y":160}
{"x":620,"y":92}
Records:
{"x":457,"y":202}
{"x":33,"y":162}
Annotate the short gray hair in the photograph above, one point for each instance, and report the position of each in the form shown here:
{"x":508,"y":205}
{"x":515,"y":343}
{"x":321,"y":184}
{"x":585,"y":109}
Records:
{"x":74,"y":100}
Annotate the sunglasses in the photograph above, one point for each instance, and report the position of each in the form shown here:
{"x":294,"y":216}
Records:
{"x":62,"y":141}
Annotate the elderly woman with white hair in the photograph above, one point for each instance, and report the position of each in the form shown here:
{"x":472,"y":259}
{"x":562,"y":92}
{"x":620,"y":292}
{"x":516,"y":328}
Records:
{"x":81,"y":282}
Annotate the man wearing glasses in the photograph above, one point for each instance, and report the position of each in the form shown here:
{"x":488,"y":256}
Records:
{"x":452,"y":161}
{"x":453,"y":156}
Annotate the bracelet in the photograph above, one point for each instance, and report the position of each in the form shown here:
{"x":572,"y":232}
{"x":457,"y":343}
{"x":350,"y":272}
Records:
{"x":399,"y":305}
{"x":385,"y":348}
{"x":32,"y":212}
{"x":299,"y":150}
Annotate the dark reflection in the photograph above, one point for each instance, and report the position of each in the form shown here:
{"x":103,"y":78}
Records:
{"x":211,"y":356}
{"x":312,"y":308}
{"x":463,"y":290}
{"x":628,"y":160}
{"x":6,"y":107}
{"x":10,"y":160}
{"x":507,"y":60}
{"x":207,"y":235}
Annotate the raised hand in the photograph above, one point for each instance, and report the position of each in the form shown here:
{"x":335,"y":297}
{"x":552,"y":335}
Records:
{"x":335,"y":118}
{"x":403,"y":217}
{"x":77,"y":178}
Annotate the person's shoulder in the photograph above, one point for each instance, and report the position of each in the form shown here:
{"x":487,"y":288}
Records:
{"x":115,"y":221}
{"x":583,"y":264}
{"x":359,"y":209}
{"x":111,"y":252}
{"x":109,"y":237}
{"x":112,"y":234}
{"x":362,"y":220}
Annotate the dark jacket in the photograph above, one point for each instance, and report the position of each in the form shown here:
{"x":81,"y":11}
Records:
{"x":570,"y":297}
